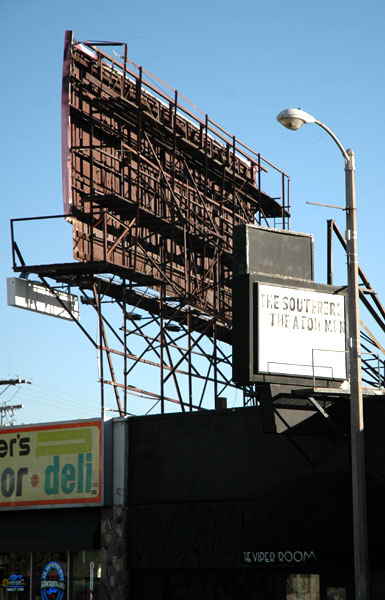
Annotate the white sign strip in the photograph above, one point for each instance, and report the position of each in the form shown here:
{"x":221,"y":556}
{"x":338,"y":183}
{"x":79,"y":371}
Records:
{"x":33,"y":295}
{"x":301,"y":332}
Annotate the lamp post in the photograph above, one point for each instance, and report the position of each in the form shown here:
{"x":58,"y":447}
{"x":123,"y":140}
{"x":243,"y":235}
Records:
{"x":293,"y":119}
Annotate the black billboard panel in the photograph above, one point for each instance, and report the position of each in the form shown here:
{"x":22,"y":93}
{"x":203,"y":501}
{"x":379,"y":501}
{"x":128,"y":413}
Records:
{"x":273,"y":251}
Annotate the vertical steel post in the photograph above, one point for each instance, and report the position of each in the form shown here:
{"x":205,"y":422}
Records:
{"x":283,"y":200}
{"x":101,"y":365}
{"x":357,"y":426}
{"x":123,"y":83}
{"x":174,"y":117}
{"x":161,"y":335}
{"x":90,"y":229}
{"x":259,"y":189}
{"x":215,"y":360}
{"x":288,"y":200}
{"x":189,"y":358}
{"x":125,"y":345}
{"x":330,"y":251}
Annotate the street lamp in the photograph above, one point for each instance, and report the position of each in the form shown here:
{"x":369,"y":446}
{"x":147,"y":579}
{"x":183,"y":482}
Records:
{"x":294,"y":118}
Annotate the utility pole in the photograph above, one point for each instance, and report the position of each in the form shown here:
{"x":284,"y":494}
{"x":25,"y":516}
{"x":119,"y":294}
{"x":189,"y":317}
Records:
{"x":294,"y":118}
{"x":7,"y":411}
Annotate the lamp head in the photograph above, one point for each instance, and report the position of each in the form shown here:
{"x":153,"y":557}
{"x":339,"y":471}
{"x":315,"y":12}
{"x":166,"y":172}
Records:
{"x":294,"y":118}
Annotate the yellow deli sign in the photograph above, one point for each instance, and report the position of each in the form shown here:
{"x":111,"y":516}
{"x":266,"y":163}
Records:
{"x":55,"y":464}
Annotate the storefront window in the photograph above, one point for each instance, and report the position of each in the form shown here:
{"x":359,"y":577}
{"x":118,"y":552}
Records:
{"x":86,"y":573}
{"x":303,"y":586}
{"x":49,"y":576}
{"x":15,"y":575}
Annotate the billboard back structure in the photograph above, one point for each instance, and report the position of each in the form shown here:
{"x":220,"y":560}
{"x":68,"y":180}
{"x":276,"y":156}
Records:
{"x":154,"y":189}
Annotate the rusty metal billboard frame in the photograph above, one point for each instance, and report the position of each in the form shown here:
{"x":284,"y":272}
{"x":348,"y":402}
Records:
{"x":152,"y":190}
{"x":155,"y":190}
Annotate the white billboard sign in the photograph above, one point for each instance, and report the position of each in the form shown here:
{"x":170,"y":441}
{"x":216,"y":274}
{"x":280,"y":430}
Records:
{"x":35,"y":296}
{"x":301,"y":332}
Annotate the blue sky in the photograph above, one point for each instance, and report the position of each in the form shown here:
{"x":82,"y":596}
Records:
{"x":241,"y":62}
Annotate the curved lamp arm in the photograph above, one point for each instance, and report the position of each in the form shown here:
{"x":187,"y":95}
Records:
{"x":294,"y":118}
{"x":345,"y":153}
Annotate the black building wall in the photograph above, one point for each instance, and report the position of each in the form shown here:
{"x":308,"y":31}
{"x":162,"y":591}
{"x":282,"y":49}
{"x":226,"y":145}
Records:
{"x":205,"y":487}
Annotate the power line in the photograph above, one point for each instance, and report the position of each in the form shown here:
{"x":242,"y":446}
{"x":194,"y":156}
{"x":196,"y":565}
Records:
{"x":7,"y":411}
